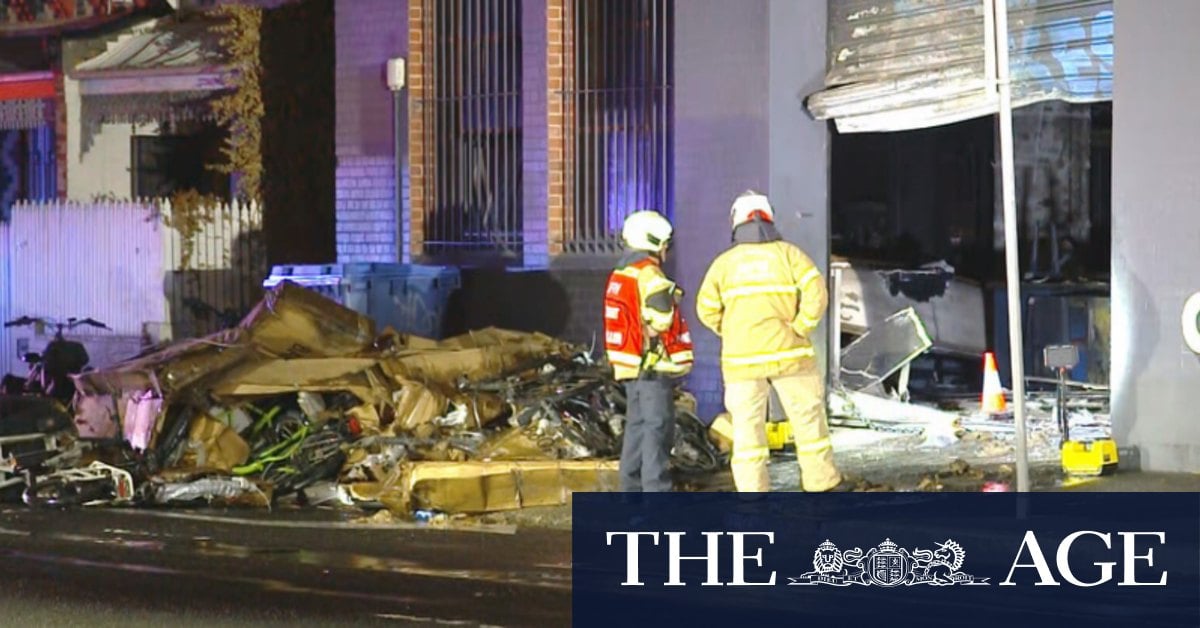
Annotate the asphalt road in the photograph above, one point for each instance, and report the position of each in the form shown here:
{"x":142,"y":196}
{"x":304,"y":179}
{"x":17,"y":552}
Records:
{"x":104,"y":567}
{"x":99,"y":568}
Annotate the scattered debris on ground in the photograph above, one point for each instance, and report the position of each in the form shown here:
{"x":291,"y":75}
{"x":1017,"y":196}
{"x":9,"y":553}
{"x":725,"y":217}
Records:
{"x":304,"y":404}
{"x":959,"y":475}
{"x":862,"y":485}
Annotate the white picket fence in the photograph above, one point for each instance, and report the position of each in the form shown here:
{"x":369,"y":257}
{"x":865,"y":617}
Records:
{"x":119,"y":263}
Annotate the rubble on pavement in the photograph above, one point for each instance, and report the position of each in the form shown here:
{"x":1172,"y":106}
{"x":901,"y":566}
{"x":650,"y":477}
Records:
{"x":959,"y":474}
{"x":304,"y":402}
{"x":858,"y":399}
{"x":962,"y":425}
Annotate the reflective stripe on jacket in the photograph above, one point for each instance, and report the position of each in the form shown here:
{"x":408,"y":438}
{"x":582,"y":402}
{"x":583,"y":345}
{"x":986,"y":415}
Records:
{"x":763,"y":300}
{"x":639,"y":303}
{"x":677,"y":342}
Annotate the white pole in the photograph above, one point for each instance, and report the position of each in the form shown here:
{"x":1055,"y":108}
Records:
{"x":836,"y":270}
{"x":1011,"y":252}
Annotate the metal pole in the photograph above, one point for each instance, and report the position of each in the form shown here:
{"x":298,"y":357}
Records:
{"x":400,"y":122}
{"x":1011,"y":253}
{"x":436,"y":170}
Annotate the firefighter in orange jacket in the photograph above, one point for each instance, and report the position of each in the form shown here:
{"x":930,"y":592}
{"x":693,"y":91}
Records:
{"x":764,"y":297}
{"x":648,"y":346}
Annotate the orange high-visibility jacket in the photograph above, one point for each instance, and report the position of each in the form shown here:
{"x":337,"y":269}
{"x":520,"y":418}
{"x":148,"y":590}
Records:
{"x":643,"y":328}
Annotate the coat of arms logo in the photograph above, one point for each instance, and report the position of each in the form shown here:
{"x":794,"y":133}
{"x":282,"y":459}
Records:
{"x":888,"y":565}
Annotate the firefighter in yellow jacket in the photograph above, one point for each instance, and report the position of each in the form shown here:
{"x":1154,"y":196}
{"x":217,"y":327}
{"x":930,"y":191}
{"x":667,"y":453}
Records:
{"x":764,"y":297}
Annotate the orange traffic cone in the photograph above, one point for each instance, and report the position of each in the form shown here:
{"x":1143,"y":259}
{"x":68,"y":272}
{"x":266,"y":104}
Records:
{"x":993,"y":395}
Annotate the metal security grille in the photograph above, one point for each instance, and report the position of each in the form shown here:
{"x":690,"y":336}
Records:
{"x":28,"y":170}
{"x":41,"y":167}
{"x":473,"y":128}
{"x":619,"y":110}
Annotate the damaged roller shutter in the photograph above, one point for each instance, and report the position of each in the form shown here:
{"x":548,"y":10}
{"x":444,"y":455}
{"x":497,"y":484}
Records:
{"x":905,"y":64}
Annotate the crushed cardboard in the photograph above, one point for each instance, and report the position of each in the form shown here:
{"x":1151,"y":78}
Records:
{"x":415,"y":405}
{"x":411,"y":435}
{"x":480,"y":487}
{"x":214,"y":445}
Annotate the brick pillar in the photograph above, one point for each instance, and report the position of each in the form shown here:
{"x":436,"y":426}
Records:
{"x":568,"y":120}
{"x":559,"y":80}
{"x":419,"y":89}
{"x":535,"y":179}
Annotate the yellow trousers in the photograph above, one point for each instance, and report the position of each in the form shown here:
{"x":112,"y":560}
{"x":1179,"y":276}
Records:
{"x":803,"y":399}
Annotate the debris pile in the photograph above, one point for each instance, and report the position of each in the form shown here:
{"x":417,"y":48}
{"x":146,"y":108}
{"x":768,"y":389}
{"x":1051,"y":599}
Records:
{"x":302,"y":402}
{"x":885,"y":353}
{"x":1087,"y":413}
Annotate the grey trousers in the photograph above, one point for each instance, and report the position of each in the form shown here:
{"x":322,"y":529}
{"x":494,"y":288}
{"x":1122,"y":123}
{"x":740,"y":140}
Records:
{"x":649,"y":435}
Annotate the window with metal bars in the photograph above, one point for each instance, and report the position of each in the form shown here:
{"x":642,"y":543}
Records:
{"x":473,"y":127}
{"x":28,"y":169}
{"x":619,"y":106}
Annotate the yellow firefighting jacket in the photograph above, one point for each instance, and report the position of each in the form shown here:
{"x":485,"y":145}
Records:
{"x":763,"y":300}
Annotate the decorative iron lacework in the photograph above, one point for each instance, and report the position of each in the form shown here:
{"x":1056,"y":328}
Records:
{"x":28,"y":113}
{"x":100,"y":109}
{"x":147,"y":108}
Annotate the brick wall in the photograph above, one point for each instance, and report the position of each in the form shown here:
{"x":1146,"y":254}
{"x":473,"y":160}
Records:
{"x":534,"y":132}
{"x":369,"y":32}
{"x":420,"y":87}
{"x":558,"y":71}
{"x":366,"y":212}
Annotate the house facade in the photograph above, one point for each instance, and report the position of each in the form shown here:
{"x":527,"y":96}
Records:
{"x":110,"y":115}
{"x":33,"y":112}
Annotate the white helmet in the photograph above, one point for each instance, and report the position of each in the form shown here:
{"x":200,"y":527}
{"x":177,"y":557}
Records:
{"x":751,"y":205}
{"x":646,"y":230}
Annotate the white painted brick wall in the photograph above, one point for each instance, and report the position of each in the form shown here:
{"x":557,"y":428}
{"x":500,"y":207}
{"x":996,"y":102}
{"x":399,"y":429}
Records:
{"x":366,"y":214}
{"x":368,"y":33}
